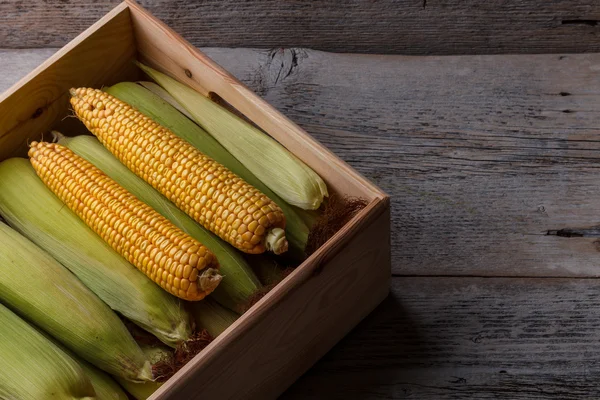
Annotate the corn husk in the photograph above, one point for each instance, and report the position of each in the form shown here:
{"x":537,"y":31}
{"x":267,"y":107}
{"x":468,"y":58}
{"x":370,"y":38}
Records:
{"x":162,"y":112}
{"x":266,"y":269}
{"x":45,"y":293}
{"x":141,"y":391}
{"x":105,"y":387}
{"x":33,"y":368}
{"x":32,"y":209}
{"x":211,"y":316}
{"x":239,"y":282}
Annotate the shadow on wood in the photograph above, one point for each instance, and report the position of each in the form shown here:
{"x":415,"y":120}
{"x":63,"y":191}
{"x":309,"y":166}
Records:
{"x":364,"y":364}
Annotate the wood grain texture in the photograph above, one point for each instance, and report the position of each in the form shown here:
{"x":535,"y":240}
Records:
{"x":367,"y":26}
{"x":468,"y":338}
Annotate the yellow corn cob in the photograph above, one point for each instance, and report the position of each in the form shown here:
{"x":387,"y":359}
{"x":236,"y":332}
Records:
{"x":174,"y":260}
{"x":204,"y":189}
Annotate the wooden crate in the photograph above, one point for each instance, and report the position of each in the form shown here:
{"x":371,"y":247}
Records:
{"x":288,"y":330}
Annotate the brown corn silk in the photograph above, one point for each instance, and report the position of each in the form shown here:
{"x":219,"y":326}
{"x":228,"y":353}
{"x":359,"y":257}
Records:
{"x":207,"y":191}
{"x":338,"y":211}
{"x":171,"y":258}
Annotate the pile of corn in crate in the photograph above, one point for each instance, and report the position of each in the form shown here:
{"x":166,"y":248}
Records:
{"x":124,"y":254}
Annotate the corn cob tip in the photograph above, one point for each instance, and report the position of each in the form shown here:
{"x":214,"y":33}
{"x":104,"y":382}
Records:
{"x":276,"y":241}
{"x":209,"y":280}
{"x":32,"y":147}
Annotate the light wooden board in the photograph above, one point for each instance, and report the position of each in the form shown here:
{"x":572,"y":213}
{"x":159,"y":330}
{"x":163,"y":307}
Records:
{"x":382,"y":26}
{"x":477,"y":152}
{"x":468,"y":338}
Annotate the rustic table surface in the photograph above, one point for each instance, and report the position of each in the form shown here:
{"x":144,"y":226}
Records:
{"x":492,"y":163}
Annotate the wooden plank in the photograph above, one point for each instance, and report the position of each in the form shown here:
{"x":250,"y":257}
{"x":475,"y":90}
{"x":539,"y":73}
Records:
{"x":468,"y":338}
{"x":383,"y":26}
{"x":482,"y":154}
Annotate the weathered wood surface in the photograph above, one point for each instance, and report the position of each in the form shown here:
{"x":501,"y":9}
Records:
{"x":468,"y":338}
{"x":366,"y":26}
{"x":482,"y":156}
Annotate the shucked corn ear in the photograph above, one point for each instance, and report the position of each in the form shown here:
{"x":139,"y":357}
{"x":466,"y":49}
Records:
{"x":157,"y":107}
{"x":33,"y":368}
{"x":240,"y":282}
{"x":171,"y":258}
{"x":44,"y":292}
{"x":208,"y":192}
{"x":32,"y":209}
{"x":272,"y":163}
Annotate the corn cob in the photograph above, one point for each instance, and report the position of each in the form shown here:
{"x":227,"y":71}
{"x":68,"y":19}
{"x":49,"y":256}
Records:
{"x":48,"y":295}
{"x":153,"y":106}
{"x":276,"y":167}
{"x":240,"y":283}
{"x":204,"y":189}
{"x":32,"y":209}
{"x":213,"y":317}
{"x":34,"y":368}
{"x":175,"y":261}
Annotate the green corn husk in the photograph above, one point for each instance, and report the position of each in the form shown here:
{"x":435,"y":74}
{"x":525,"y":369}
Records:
{"x":33,"y":368}
{"x":105,"y":387}
{"x":211,"y":316}
{"x":45,"y":293}
{"x":239,"y":283}
{"x":32,"y":209}
{"x":163,"y":113}
{"x":266,"y":269}
{"x":141,"y":391}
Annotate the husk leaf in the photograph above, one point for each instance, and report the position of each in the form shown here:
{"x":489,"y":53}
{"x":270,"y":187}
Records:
{"x":211,"y":316}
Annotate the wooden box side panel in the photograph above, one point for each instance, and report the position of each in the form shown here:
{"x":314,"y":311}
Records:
{"x":166,"y":51}
{"x":101,"y":55}
{"x":265,"y":351}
